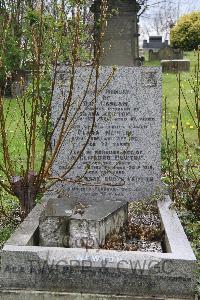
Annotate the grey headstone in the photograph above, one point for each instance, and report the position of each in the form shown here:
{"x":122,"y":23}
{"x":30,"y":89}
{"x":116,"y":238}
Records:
{"x":166,"y":53}
{"x":123,"y":157}
{"x":120,"y":40}
{"x":155,"y":43}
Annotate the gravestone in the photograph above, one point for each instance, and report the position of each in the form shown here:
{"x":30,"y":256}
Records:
{"x":17,"y":84}
{"x":153,"y":56}
{"x":123,"y":156}
{"x":170,"y":53}
{"x":124,"y":153}
{"x":120,"y":40}
{"x":122,"y":160}
{"x":166,"y":53}
{"x":155,"y":43}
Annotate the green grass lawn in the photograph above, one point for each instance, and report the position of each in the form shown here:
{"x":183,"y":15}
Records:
{"x":171,"y":96}
{"x":14,"y":125}
{"x":13,"y":110}
{"x":170,"y":92}
{"x":187,"y":105}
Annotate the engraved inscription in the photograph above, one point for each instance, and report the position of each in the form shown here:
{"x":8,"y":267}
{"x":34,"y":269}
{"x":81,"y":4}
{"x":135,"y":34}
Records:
{"x":149,"y":79}
{"x":122,"y":159}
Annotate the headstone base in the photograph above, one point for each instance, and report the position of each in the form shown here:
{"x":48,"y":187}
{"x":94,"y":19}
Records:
{"x":69,"y":223}
{"x":38,"y":295}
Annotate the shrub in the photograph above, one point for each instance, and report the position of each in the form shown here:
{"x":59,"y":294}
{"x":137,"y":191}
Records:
{"x":186,"y":33}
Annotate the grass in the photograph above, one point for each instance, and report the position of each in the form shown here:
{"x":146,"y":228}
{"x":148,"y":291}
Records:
{"x":190,"y":222}
{"x":170,"y":93}
{"x":8,"y":217}
{"x":15,"y":133}
{"x":14,"y":124}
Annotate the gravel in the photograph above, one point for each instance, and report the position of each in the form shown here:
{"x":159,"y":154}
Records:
{"x":143,"y":231}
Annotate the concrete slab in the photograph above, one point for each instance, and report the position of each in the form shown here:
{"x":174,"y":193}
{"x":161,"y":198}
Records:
{"x":175,"y":66}
{"x":38,"y":295}
{"x":66,"y":222}
{"x":95,"y":271}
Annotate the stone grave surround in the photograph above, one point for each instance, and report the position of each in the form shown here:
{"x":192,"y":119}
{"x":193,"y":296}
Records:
{"x":124,"y":158}
{"x":97,"y":274}
{"x":38,"y":295}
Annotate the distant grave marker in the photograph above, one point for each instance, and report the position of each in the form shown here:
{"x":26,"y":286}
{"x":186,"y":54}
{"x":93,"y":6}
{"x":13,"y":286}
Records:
{"x":166,"y":53}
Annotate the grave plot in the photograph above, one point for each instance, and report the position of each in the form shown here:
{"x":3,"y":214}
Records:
{"x":65,"y":244}
{"x":27,"y":266}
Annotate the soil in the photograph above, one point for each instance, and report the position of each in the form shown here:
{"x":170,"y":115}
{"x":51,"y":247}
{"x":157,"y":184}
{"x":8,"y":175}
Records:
{"x":141,"y":233}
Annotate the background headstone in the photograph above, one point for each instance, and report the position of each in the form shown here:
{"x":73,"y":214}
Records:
{"x":166,"y":53}
{"x":153,"y":56}
{"x":120,"y":41}
{"x":17,"y":84}
{"x":155,"y":43}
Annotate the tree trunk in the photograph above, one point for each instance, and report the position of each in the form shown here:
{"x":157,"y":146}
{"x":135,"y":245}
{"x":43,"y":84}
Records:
{"x":26,"y":191}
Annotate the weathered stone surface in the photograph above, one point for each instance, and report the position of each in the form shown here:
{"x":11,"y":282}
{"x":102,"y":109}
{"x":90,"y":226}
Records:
{"x":38,"y":295}
{"x":54,"y":223}
{"x":53,"y":231}
{"x":100,"y":218}
{"x":120,"y":40}
{"x":175,"y":66}
{"x":166,"y":53}
{"x":122,"y":161}
{"x":67,"y":222}
{"x":155,"y":43}
{"x":107,"y":272}
{"x":27,"y":232}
